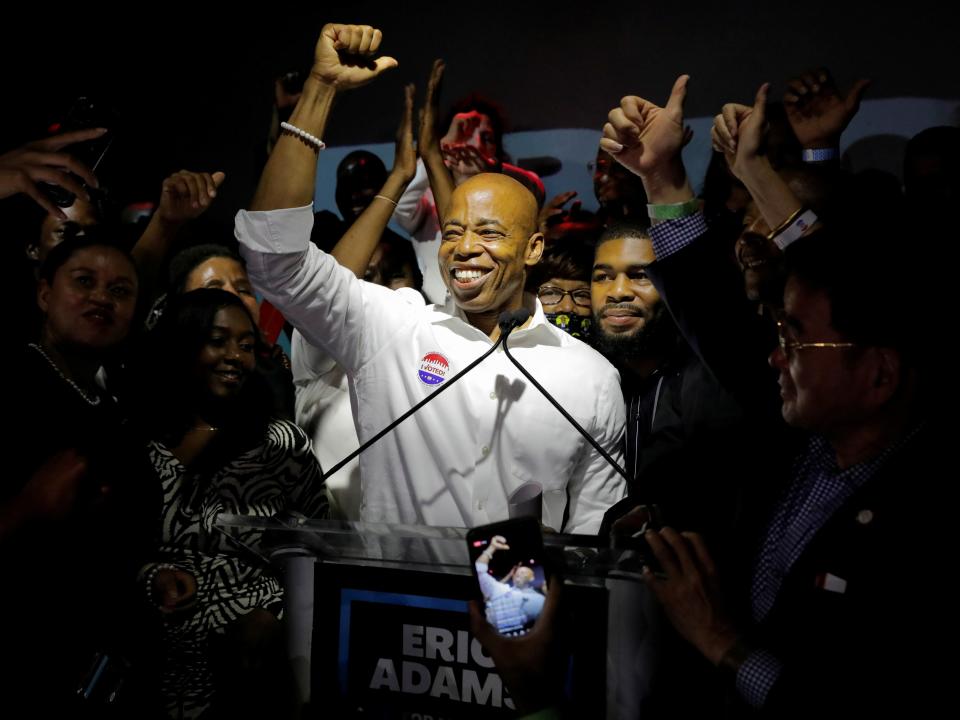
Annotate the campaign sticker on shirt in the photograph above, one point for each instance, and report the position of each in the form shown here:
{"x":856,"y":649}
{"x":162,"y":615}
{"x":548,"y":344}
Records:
{"x":433,"y":369}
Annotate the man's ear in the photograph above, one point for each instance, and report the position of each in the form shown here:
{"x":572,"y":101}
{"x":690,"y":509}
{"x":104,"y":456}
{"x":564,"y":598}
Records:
{"x":43,"y":295}
{"x":886,"y":373}
{"x":535,"y":247}
{"x":33,"y":252}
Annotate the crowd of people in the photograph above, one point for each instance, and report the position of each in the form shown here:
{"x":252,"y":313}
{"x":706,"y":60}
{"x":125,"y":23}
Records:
{"x":755,"y":364}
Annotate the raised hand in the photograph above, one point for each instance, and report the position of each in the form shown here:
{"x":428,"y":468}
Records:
{"x":346,"y":56}
{"x":428,"y":142}
{"x":739,"y":130}
{"x":186,"y":195}
{"x":643,"y":136}
{"x":405,"y":154}
{"x":555,"y":209}
{"x":44,"y":161}
{"x":817,"y":111}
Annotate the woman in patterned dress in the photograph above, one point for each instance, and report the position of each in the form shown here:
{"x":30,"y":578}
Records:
{"x":216,"y":448}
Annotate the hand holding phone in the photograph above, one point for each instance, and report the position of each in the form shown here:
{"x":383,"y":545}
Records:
{"x":84,"y":115}
{"x":511,"y":577}
{"x":38,"y":166}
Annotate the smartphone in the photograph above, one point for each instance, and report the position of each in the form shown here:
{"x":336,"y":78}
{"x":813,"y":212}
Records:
{"x":84,"y":114}
{"x":508,"y":562}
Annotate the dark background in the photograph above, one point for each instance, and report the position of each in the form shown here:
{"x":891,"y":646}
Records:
{"x":193,"y":84}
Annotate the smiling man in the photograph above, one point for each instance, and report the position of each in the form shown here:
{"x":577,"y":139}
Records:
{"x":679,"y":420}
{"x":460,"y":459}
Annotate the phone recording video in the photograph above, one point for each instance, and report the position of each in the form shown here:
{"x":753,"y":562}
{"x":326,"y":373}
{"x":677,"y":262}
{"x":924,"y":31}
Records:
{"x":508,"y":562}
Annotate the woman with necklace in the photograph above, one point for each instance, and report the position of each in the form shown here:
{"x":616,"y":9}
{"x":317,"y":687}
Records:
{"x":217,"y":448}
{"x":76,"y":498}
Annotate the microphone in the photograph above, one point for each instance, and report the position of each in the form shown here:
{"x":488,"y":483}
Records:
{"x":507,"y":319}
{"x":511,"y":319}
{"x":516,"y":318}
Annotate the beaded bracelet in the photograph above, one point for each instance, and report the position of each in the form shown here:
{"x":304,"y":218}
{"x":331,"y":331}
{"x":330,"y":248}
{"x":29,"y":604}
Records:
{"x":309,"y":139}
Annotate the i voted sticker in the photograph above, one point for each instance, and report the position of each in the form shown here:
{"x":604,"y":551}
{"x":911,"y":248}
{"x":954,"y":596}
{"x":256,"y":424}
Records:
{"x":433,"y":369}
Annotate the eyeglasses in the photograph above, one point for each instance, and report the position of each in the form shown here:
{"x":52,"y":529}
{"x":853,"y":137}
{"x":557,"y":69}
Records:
{"x":603,"y":166}
{"x":789,"y":345}
{"x":552,"y":295}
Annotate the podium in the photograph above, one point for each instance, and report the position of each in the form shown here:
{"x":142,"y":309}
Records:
{"x":378,"y":628}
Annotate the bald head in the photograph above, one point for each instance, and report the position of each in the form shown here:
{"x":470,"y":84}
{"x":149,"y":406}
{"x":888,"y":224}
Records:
{"x":514,"y":201}
{"x":490,"y":238}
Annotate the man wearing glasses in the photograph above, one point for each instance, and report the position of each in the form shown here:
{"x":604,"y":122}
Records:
{"x":827,"y":609}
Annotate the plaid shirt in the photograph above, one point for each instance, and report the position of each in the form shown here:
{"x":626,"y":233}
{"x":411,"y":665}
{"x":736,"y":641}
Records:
{"x":819,"y":489}
{"x":674,"y":235}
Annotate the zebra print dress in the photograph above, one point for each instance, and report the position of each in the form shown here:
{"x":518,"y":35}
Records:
{"x":280,"y":474}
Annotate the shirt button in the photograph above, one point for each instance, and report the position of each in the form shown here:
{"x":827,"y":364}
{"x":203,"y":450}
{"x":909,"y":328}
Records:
{"x":484,"y":449}
{"x":480,"y":505}
{"x":493,"y":396}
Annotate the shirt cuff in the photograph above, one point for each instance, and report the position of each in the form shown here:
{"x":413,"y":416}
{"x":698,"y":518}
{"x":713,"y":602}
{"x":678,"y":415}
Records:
{"x":674,"y":235}
{"x":275,"y":231}
{"x":756,"y":676}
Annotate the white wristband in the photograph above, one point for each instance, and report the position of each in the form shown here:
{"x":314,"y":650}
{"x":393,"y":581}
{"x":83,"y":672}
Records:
{"x":795,"y":230}
{"x":815,"y":155}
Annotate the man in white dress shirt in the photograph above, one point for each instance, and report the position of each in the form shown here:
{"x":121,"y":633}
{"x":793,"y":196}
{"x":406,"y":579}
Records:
{"x":460,"y":459}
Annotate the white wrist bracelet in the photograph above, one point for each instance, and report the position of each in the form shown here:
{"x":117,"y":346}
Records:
{"x":303,"y":135}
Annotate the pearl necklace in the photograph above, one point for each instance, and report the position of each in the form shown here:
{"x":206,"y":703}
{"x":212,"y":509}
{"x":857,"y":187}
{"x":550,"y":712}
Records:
{"x":90,"y":400}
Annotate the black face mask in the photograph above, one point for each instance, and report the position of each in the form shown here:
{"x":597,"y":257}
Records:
{"x":571,"y":323}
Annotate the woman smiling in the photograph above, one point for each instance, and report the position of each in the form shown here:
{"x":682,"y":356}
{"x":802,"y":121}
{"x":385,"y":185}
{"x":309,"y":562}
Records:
{"x":217,"y":449}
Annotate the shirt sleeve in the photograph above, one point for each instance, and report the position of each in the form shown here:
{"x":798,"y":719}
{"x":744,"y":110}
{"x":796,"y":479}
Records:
{"x":756,"y":676}
{"x":594,"y":485}
{"x":674,"y":235}
{"x":348,"y":318}
{"x":488,"y":584}
{"x":414,"y":205}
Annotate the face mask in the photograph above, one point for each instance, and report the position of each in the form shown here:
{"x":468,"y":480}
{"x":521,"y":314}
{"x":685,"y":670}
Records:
{"x":572,"y":323}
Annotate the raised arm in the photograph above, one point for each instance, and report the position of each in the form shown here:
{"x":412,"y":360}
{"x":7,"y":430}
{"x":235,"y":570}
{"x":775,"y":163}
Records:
{"x":692,"y":273}
{"x":357,"y":245}
{"x":441,"y":181}
{"x":738,"y":132}
{"x":323,"y":300}
{"x":184,"y":196}
{"x":344,"y":58}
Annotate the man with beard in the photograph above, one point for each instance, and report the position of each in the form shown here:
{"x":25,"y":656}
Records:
{"x":679,"y":420}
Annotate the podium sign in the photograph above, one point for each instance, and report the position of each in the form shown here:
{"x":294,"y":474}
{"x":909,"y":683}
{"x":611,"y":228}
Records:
{"x":386,"y":612}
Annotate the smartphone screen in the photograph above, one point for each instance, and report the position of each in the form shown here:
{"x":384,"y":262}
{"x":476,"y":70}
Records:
{"x":508,"y":562}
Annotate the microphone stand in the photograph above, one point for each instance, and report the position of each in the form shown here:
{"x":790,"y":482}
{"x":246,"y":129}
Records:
{"x":596,"y":446}
{"x":411,"y":411}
